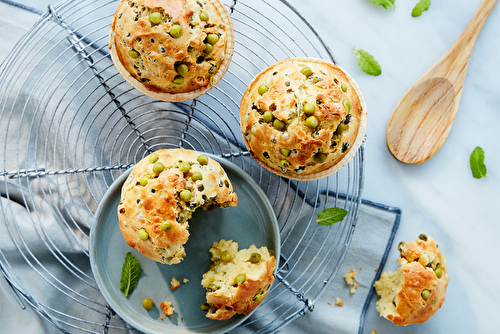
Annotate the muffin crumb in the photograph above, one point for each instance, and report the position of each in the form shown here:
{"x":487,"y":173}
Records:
{"x":350,"y":280}
{"x":339,"y":301}
{"x":174,"y":283}
{"x":167,"y":308}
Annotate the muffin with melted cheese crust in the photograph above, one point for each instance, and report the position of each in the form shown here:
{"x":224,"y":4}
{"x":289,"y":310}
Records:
{"x":416,"y":290}
{"x":303,"y":118}
{"x":171,"y":50}
{"x":160,"y":195}
{"x":238,"y":280}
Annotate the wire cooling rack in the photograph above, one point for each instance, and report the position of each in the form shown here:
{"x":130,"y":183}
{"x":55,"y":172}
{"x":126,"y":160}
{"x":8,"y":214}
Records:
{"x":71,"y":126}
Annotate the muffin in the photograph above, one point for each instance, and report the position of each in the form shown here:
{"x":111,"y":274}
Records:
{"x":171,"y":50}
{"x":160,"y":195}
{"x":238,"y":280}
{"x":416,"y":290}
{"x":303,"y":118}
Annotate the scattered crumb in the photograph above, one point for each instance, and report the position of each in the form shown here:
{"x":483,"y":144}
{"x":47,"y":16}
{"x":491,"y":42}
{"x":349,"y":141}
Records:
{"x":376,"y":269}
{"x":349,"y":278}
{"x":181,"y":318}
{"x":373,"y":332}
{"x":167,"y":308}
{"x":174,"y":283}
{"x":330,"y":303}
{"x":360,"y":268}
{"x":185,"y":281}
{"x":339,"y":301}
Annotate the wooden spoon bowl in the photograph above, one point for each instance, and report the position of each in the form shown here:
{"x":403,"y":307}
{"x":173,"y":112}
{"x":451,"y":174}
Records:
{"x":422,"y":119}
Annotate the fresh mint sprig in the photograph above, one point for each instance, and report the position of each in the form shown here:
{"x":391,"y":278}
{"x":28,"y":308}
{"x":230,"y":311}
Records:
{"x":420,"y":7}
{"x":367,"y":62}
{"x":477,"y":165}
{"x":385,"y":3}
{"x":331,"y":216}
{"x":131,"y":272}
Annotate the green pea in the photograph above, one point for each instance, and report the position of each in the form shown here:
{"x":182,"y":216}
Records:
{"x":175,"y":31}
{"x":142,"y":234}
{"x":343,"y":86}
{"x":133,"y":54}
{"x":184,"y":167}
{"x":225,"y":256}
{"x":426,"y":294}
{"x":148,"y":303}
{"x":182,"y":69}
{"x":401,"y":245}
{"x":212,"y":79}
{"x":255,"y":257}
{"x":312,"y":122}
{"x":208,"y":47}
{"x":158,"y":167}
{"x":202,"y":159}
{"x":257,"y":297}
{"x":285,"y":152}
{"x":153,"y":157}
{"x":211,"y":287}
{"x":278,"y":125}
{"x":166,"y":225}
{"x":204,"y":16}
{"x":423,"y":237}
{"x":284,"y":163}
{"x":347,"y":105}
{"x":268,"y":116}
{"x":320,"y":158}
{"x":155,"y":17}
{"x":144,"y":180}
{"x":341,"y":127}
{"x":439,"y":272}
{"x":205,"y":307}
{"x":179,"y":79}
{"x":262,"y":89}
{"x":240,"y":279}
{"x":212,"y":38}
{"x":197,"y":176}
{"x":309,"y":108}
{"x":185,"y":195}
{"x":306,"y":71}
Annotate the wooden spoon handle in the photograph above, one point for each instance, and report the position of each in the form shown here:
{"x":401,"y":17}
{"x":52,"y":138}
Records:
{"x":469,"y":36}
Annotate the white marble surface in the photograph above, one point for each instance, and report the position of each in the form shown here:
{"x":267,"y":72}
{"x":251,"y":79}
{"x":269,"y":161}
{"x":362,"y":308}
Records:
{"x":438,"y":197}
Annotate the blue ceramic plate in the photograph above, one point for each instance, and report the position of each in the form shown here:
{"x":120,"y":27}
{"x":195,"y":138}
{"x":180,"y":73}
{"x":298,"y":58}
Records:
{"x":251,"y":222}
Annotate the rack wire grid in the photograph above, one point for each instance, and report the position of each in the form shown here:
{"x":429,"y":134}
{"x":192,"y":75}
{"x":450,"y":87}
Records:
{"x":71,"y":125}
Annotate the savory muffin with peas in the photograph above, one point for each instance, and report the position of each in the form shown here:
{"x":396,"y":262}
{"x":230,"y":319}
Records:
{"x":238,"y":280}
{"x":416,"y":290}
{"x":171,"y":50}
{"x":160,"y":195}
{"x":303,"y":118}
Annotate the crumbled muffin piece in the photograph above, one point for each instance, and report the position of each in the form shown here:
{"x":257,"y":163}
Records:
{"x":238,"y":280}
{"x":339,"y":301}
{"x":174,"y":283}
{"x":416,"y":289}
{"x":350,"y":280}
{"x":167,"y":308}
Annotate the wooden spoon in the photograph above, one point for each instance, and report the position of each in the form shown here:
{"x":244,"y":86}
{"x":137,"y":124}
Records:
{"x":422,"y":119}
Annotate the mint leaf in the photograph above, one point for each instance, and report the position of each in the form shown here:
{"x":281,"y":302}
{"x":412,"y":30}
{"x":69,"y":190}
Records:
{"x":385,"y":3}
{"x":131,"y":272}
{"x":477,"y":165}
{"x":420,"y":7}
{"x":367,"y":62}
{"x":331,"y":216}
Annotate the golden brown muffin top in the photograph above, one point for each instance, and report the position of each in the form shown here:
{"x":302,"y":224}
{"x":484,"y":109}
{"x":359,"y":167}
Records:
{"x":301,"y":116}
{"x":171,"y":46}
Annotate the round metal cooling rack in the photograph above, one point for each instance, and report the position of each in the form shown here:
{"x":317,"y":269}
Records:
{"x":71,"y":126}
